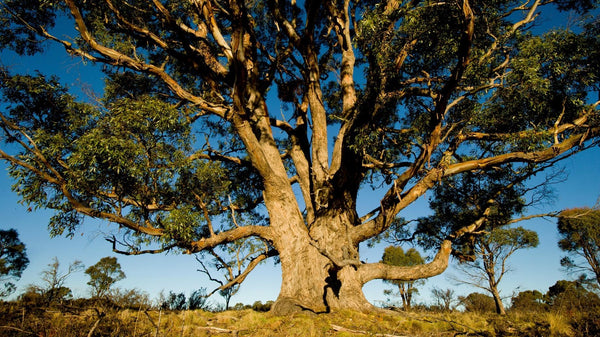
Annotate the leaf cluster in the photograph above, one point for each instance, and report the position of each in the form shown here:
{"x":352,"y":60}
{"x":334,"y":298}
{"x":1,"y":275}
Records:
{"x":13,"y":260}
{"x":103,"y":275}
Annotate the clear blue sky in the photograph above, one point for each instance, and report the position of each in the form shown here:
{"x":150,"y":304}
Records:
{"x":537,"y":268}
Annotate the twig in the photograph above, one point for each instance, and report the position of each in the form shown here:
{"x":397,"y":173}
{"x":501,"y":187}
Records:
{"x":150,"y":319}
{"x":16,"y":329}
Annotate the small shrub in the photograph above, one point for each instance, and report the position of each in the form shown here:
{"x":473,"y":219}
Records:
{"x":586,"y":324}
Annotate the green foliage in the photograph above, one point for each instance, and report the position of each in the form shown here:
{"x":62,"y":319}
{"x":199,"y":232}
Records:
{"x":395,"y":256}
{"x":529,"y":300}
{"x":579,"y":236}
{"x":133,"y":148}
{"x":571,"y":296}
{"x":477,"y":302}
{"x":103,"y":275}
{"x":13,"y":260}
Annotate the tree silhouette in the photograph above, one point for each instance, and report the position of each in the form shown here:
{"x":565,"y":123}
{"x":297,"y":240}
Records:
{"x":13,"y":260}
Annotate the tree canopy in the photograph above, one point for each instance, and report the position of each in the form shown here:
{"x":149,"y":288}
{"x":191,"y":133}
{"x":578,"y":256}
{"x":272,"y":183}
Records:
{"x":227,"y":122}
{"x":579,"y":231}
{"x":13,"y":260}
{"x":396,"y":256}
{"x":103,"y":275}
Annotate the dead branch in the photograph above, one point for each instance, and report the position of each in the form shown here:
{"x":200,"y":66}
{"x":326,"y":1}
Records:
{"x":8,"y":327}
{"x":342,"y":329}
{"x":218,"y":330}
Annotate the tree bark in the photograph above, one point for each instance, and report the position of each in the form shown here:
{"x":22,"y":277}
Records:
{"x":320,"y":268}
{"x":321,"y":271}
{"x":498,"y":301}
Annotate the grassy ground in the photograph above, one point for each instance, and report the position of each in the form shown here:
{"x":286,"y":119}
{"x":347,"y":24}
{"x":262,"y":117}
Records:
{"x":91,"y":322}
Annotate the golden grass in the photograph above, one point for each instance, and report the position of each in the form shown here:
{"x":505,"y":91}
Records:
{"x":154,"y":323}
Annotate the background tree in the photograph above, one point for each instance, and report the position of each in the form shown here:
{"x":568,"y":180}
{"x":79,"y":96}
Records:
{"x":103,"y":275}
{"x":571,"y":296}
{"x":529,"y":300}
{"x":489,"y":201}
{"x":579,"y":232}
{"x":444,"y":299}
{"x":396,"y":256}
{"x":215,"y":114}
{"x":53,"y":281}
{"x":198,"y":300}
{"x":174,"y":301}
{"x":493,"y":250}
{"x":234,"y":270}
{"x":13,"y":260}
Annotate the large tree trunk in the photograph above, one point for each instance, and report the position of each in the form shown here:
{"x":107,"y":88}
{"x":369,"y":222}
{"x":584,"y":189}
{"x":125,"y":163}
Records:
{"x":311,"y":282}
{"x":319,"y":268}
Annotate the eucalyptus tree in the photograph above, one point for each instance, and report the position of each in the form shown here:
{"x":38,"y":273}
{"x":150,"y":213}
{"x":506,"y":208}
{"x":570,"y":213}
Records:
{"x":489,"y":202}
{"x":493,"y":250}
{"x":215,"y":113}
{"x":13,"y":260}
{"x":103,"y":275}
{"x":579,"y":235}
{"x":396,"y":256}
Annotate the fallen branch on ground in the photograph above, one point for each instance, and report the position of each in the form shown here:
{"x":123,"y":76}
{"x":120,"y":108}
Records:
{"x":342,"y":329}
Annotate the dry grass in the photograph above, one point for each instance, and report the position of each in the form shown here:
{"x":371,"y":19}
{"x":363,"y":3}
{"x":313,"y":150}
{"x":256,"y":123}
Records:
{"x":141,"y":323}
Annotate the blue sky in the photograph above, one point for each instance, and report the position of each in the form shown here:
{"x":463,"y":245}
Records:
{"x":536,"y":268}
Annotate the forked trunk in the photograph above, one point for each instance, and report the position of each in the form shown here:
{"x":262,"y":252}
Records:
{"x":319,"y":269}
{"x":311,"y":282}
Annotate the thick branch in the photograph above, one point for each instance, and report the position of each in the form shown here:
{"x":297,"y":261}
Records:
{"x":119,"y":59}
{"x":231,"y":236}
{"x":394,"y":201}
{"x":242,"y":276}
{"x":439,"y":263}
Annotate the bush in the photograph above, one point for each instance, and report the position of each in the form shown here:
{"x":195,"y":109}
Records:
{"x":259,"y":306}
{"x":198,"y":300}
{"x":529,"y":300}
{"x":476,"y":302}
{"x":587,"y":323}
{"x":571,"y":297}
{"x":131,"y":298}
{"x":174,"y":301}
